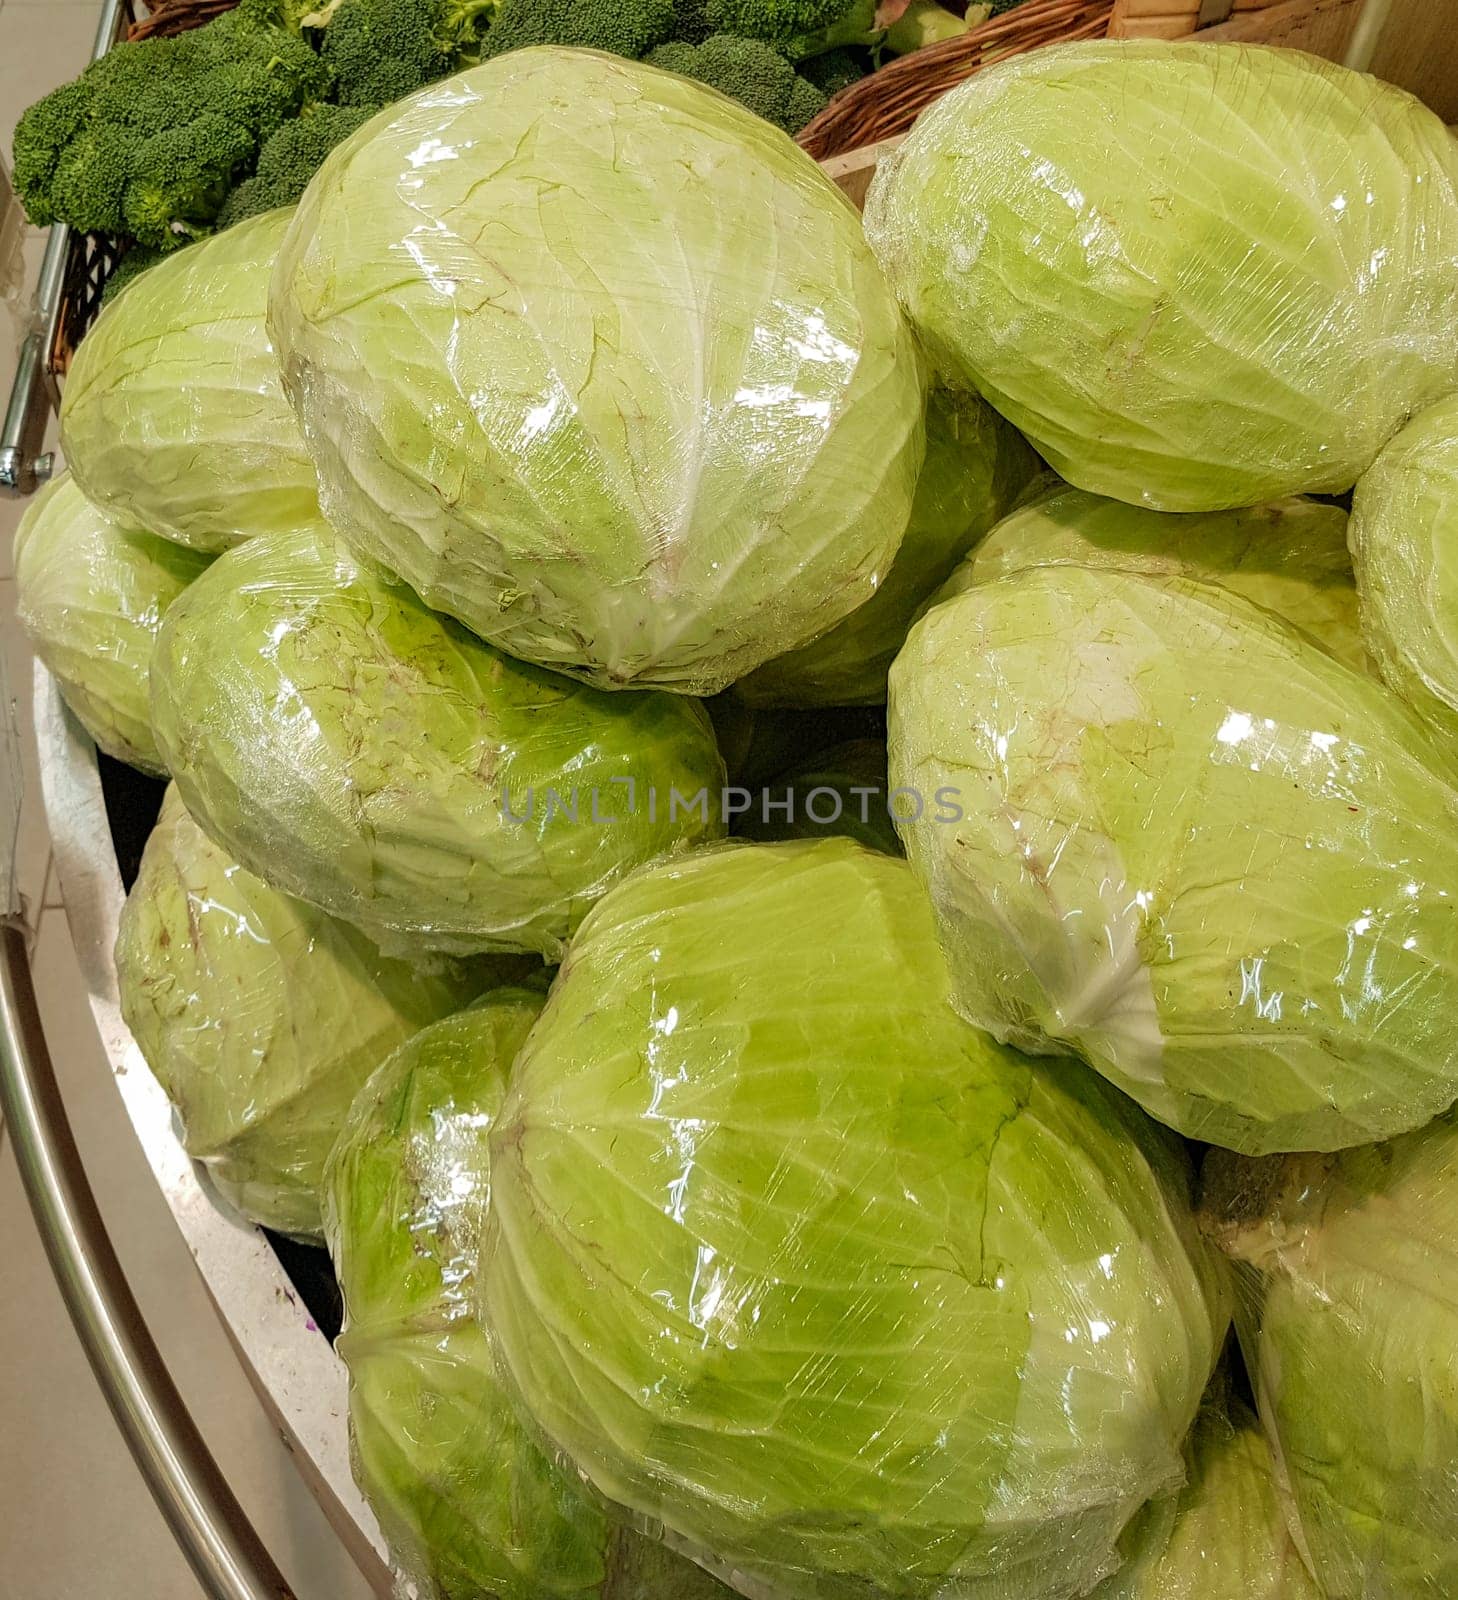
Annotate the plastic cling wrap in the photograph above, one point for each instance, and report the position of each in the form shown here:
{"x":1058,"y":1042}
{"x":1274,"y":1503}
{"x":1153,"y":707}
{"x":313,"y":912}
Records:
{"x":1405,"y":544}
{"x":374,"y":758}
{"x":600,"y":363}
{"x":1178,"y":837}
{"x":848,"y":1298}
{"x":1349,"y":1321}
{"x":260,"y":1016}
{"x":91,"y":595}
{"x":1290,"y":557}
{"x":1223,"y":1536}
{"x":469,"y":1504}
{"x":975,"y":466}
{"x":1194,"y":278}
{"x":173,"y":418}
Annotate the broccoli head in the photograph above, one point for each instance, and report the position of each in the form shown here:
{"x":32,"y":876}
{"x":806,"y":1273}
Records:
{"x":833,"y":71}
{"x":381,"y":50}
{"x":290,"y":158}
{"x":180,"y":178}
{"x":629,"y":28}
{"x":91,"y":177}
{"x":110,"y":151}
{"x":796,"y":27}
{"x":747,"y":70}
{"x":43,"y":133}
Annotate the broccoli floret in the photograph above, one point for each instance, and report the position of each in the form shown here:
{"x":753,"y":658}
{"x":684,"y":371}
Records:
{"x":42,"y":134}
{"x":152,"y":135}
{"x":380,"y":50}
{"x":835,"y":70}
{"x":747,"y":70}
{"x":796,"y":27}
{"x":290,"y":158}
{"x":131,"y":266}
{"x":806,"y":103}
{"x":180,"y":179}
{"x":629,"y":28}
{"x":91,"y":177}
{"x":691,"y":21}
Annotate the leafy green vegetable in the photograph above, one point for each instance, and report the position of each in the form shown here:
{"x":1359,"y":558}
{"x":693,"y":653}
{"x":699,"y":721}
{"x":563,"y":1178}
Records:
{"x":148,"y":140}
{"x":749,"y":71}
{"x":1224,"y":1535}
{"x":1290,"y":556}
{"x":923,"y":22}
{"x":1405,"y":545}
{"x":1194,"y":278}
{"x":468,"y":1502}
{"x":975,"y":466}
{"x":622,"y":446}
{"x":260,"y":1016}
{"x":1350,"y":1327}
{"x":290,"y":158}
{"x":1193,"y":847}
{"x":172,"y":417}
{"x":383,"y":50}
{"x":628,"y":28}
{"x":792,"y":1262}
{"x":366,"y":754}
{"x":91,"y":595}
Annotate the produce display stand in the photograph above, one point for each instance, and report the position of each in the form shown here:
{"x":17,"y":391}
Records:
{"x":259,"y":1287}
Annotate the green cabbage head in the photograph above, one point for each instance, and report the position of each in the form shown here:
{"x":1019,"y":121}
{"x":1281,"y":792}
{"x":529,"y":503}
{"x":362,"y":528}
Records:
{"x":468,"y":1502}
{"x":974,"y":469}
{"x":1193,"y":278}
{"x":1349,"y":1323}
{"x":260,"y":1016}
{"x":1290,"y":556}
{"x":91,"y":594}
{"x":173,"y":418}
{"x":848,"y":1298}
{"x":600,"y":363}
{"x":1223,"y":1536}
{"x":372,"y":757}
{"x":1176,"y":836}
{"x":1405,"y":545}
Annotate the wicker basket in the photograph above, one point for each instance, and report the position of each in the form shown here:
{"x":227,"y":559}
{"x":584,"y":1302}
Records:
{"x":885,"y":105}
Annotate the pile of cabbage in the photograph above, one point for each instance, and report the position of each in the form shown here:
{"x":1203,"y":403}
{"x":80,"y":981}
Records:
{"x":825,"y":854}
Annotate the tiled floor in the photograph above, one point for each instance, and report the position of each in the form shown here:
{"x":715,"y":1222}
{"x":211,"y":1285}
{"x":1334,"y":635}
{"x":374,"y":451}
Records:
{"x":76,"y":1522}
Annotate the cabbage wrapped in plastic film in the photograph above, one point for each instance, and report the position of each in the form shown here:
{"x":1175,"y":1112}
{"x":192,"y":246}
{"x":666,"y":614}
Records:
{"x":91,"y":594}
{"x":1224,"y":1535}
{"x":1193,"y":278}
{"x":1290,"y":556}
{"x":372,"y":757}
{"x":260,"y":1016}
{"x":1348,"y":1316}
{"x":845,"y":1296}
{"x":1182,"y":840}
{"x":468,"y":1502}
{"x":1405,"y":545}
{"x":173,"y":418}
{"x":975,"y":467}
{"x":609,"y":374}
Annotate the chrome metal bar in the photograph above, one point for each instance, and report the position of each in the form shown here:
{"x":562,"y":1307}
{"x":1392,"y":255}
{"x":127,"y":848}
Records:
{"x":22,"y":465}
{"x":209,"y":1525}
